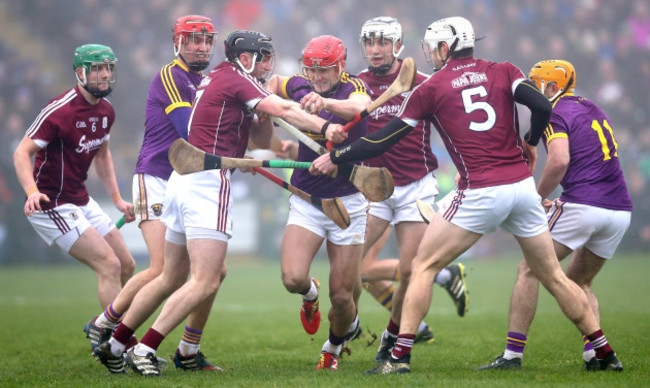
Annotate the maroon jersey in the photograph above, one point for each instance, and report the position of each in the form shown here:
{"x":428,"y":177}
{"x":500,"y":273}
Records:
{"x":411,"y":158}
{"x":223,"y":111}
{"x":70,"y":132}
{"x":471,"y":104}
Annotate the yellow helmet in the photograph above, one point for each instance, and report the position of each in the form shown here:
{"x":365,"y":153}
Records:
{"x":556,"y":70}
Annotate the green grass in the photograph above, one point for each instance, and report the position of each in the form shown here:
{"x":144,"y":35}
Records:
{"x":254,"y":333}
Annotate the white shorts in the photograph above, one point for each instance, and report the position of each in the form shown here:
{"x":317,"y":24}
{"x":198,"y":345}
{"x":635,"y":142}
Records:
{"x":599,"y":230}
{"x":148,"y":197}
{"x":64,"y":224}
{"x":516,"y":207}
{"x":199,"y":205}
{"x":401,"y":206}
{"x":302,"y":213}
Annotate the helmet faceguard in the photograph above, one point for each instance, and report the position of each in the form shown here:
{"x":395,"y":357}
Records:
{"x":377,"y":31}
{"x":194,"y":37}
{"x":94,"y":58}
{"x":456,"y":31}
{"x":322,"y":55}
{"x":254,"y":43}
{"x":555,"y":71}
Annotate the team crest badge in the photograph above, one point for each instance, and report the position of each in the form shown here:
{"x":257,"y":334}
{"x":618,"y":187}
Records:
{"x":74,"y":216}
{"x":157,"y":209}
{"x":104,"y":122}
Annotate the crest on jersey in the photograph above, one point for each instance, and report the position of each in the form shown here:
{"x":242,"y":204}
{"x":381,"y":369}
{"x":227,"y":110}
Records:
{"x":74,"y":216}
{"x":105,"y":122}
{"x":157,"y":209}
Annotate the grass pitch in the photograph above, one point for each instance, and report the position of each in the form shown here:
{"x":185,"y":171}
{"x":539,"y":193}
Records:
{"x":255,"y":334}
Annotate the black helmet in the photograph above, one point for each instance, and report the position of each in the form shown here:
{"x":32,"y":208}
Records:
{"x":248,"y":42}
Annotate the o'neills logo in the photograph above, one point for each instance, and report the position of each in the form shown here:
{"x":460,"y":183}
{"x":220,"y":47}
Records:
{"x":468,"y":78}
{"x":90,"y":145}
{"x":384,"y":110}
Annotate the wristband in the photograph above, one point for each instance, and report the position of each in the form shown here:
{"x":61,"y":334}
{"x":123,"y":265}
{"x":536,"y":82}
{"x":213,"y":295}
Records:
{"x":116,"y":196}
{"x":323,"y":129}
{"x":31,"y":190}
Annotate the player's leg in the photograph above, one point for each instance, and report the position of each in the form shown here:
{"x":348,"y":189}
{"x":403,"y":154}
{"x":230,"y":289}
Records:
{"x":441,"y":244}
{"x":299,"y":246}
{"x":523,"y":304}
{"x":153,"y":233}
{"x":302,"y":238}
{"x":372,"y":269}
{"x":582,"y":269}
{"x":175,"y":272}
{"x":207,"y":252}
{"x":91,"y":249}
{"x":573,"y":302}
{"x":188,"y":355}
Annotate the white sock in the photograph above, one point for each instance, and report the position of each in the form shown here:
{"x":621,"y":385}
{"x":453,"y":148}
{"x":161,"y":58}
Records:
{"x":142,"y":350}
{"x":443,"y":277}
{"x":509,"y":355}
{"x":588,"y":355}
{"x":354,"y":324}
{"x":333,"y":349}
{"x":187,"y":349}
{"x":422,"y":326}
{"x":117,"y":347}
{"x":104,"y":323}
{"x":312,"y":294}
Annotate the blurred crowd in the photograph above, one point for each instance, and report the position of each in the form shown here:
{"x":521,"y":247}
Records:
{"x":607,"y":41}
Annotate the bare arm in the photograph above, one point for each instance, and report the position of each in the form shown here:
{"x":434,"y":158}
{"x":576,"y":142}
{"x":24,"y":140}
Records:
{"x":290,"y":111}
{"x":556,"y":166}
{"x":105,"y":170}
{"x":23,"y":166}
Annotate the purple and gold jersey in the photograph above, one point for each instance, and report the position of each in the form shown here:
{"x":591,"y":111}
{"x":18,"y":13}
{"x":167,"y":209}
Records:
{"x":173,"y":87}
{"x":411,"y":158}
{"x":70,"y":132}
{"x":223,"y":111}
{"x":323,"y":186}
{"x":594,"y":176}
{"x":471,"y":103}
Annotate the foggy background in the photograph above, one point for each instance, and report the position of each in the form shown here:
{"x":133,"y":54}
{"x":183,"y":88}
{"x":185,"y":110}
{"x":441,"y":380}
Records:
{"x":607,"y":41}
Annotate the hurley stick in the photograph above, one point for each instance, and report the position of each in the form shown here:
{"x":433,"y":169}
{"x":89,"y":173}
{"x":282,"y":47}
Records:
{"x":332,"y":207}
{"x":403,"y":83}
{"x":186,"y":159}
{"x":376,"y":183}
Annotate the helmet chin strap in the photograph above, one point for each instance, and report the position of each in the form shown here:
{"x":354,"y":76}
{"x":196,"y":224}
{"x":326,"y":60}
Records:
{"x":98,"y":93}
{"x":196,"y":65}
{"x":94,"y":92}
{"x":382,"y":69}
{"x":245,"y":70}
{"x":451,"y":51}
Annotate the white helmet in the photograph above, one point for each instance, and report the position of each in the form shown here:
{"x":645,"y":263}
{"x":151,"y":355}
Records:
{"x":456,"y":31}
{"x":383,"y":27}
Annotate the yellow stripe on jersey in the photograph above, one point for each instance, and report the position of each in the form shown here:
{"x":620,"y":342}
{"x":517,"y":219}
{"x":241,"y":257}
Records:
{"x":169,"y":84}
{"x":177,"y":105}
{"x":283,"y":89}
{"x":550,"y":134}
{"x":387,"y":137}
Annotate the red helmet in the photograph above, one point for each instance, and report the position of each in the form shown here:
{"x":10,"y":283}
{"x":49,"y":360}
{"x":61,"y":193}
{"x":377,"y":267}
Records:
{"x":188,"y":25}
{"x":325,"y":51}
